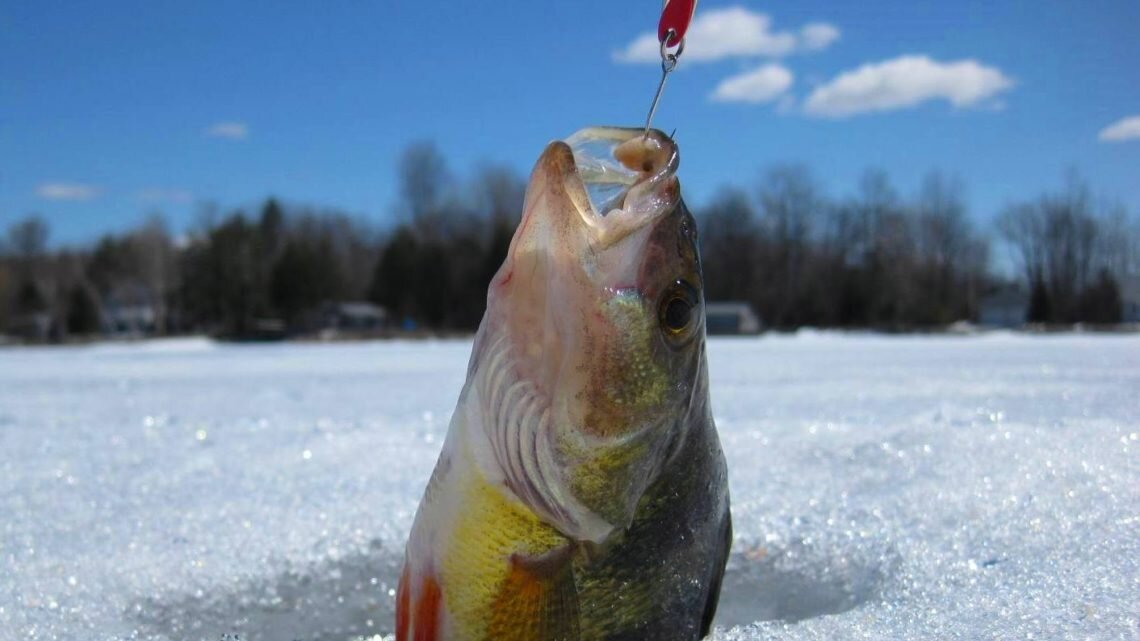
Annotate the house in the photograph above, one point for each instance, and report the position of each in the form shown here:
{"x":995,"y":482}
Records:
{"x":131,"y":309}
{"x":1004,"y":307}
{"x":731,"y":317}
{"x":129,"y":320}
{"x":1130,"y":299}
{"x":354,"y":316}
{"x":34,"y":326}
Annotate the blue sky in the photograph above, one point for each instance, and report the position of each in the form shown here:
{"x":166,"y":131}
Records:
{"x":109,"y":111}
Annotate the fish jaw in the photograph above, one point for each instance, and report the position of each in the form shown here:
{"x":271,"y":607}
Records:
{"x":571,"y":253}
{"x":615,"y":180}
{"x":579,"y":392}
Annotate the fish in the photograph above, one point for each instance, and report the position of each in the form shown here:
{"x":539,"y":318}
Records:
{"x":581,"y":492}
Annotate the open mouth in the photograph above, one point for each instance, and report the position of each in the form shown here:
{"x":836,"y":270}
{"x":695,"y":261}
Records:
{"x":628,"y":176}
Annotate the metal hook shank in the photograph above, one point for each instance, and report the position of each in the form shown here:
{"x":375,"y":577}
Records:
{"x":668,"y":64}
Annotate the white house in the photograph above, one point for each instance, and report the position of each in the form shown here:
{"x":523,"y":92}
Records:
{"x":731,"y":317}
{"x":354,"y":315}
{"x":1005,"y":307}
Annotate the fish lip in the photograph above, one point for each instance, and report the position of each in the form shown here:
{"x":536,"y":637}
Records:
{"x":647,"y":194}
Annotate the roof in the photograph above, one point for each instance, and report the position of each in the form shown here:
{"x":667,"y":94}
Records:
{"x":728,"y":307}
{"x":739,"y":316}
{"x":359,"y":309}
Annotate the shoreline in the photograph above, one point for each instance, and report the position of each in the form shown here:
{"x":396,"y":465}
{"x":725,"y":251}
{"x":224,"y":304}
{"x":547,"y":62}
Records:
{"x":332,"y":336}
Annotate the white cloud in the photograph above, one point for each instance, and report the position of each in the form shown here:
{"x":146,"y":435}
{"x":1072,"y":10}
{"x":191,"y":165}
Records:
{"x":230,"y":129}
{"x":818,"y":36}
{"x":67,"y":191}
{"x":159,"y":195}
{"x":1121,"y":130}
{"x":763,"y":84}
{"x":905,"y":82}
{"x":732,"y":32}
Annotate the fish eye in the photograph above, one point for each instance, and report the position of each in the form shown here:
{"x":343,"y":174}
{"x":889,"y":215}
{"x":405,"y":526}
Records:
{"x":677,"y":307}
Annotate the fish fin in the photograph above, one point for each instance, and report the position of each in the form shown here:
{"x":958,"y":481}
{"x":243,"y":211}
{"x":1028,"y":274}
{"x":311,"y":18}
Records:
{"x":418,"y":619}
{"x":403,"y":607}
{"x":718,"y":577}
{"x":538,"y":600}
{"x":428,"y":611}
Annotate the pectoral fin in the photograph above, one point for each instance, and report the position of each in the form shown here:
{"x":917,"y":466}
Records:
{"x":538,"y":600}
{"x":721,"y":560}
{"x":417,"y":618}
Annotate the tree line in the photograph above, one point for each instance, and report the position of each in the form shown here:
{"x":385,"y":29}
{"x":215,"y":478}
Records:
{"x":875,"y":258}
{"x":879,"y":259}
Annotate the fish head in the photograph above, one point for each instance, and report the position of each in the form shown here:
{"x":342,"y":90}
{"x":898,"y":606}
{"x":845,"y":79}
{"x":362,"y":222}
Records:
{"x":600,"y":301}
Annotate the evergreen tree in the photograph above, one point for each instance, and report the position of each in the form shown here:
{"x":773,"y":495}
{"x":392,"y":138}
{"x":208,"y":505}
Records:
{"x":396,"y":276}
{"x":82,"y":312}
{"x":1101,"y":302}
{"x":305,"y":276}
{"x":1040,"y":310}
{"x":29,"y":299}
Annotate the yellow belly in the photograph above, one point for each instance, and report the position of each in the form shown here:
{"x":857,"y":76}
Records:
{"x":487,"y":594}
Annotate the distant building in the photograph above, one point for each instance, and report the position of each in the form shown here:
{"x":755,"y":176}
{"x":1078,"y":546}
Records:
{"x":731,"y":317}
{"x":354,"y":316}
{"x":266,"y":329}
{"x":34,"y":326}
{"x":1130,"y":299}
{"x":130,"y":310}
{"x":1004,"y":307}
{"x":133,"y":320}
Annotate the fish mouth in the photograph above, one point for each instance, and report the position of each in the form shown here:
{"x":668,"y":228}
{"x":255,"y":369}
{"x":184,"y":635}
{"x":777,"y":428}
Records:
{"x":618,"y":179}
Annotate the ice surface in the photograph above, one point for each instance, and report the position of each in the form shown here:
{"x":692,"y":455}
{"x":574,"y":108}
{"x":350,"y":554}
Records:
{"x":883,"y":487}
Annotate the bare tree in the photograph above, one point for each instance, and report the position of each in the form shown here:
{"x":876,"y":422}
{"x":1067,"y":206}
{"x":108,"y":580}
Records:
{"x":951,"y":260}
{"x":729,"y":243}
{"x":499,"y":193}
{"x":156,"y":264}
{"x":27,"y":240}
{"x":1118,"y":246}
{"x":7,"y":292}
{"x":790,"y":209}
{"x":1023,"y":229}
{"x":28,"y":237}
{"x":1068,"y":248}
{"x":425,"y":183}
{"x":943,"y":229}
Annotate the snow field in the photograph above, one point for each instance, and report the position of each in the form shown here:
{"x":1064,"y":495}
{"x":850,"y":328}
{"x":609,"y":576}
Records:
{"x":981,"y":487}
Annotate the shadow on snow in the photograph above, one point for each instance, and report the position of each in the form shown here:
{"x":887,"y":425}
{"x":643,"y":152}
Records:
{"x":355,"y":596}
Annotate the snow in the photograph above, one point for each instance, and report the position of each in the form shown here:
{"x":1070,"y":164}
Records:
{"x":954,"y":487}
